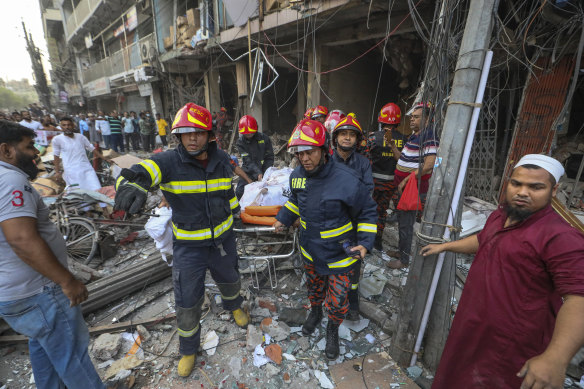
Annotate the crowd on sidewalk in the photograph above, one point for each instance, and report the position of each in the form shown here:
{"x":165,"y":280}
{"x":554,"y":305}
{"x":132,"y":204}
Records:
{"x":119,"y":131}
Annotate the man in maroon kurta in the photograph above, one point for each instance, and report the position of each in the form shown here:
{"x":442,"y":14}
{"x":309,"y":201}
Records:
{"x":511,"y":328}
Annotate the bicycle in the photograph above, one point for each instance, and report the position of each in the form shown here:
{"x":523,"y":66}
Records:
{"x":80,"y":234}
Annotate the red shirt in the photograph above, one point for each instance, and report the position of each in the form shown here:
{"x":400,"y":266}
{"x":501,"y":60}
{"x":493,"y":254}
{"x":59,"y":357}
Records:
{"x":513,"y":292}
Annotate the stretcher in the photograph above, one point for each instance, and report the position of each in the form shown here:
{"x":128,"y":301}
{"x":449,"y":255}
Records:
{"x":273,"y":247}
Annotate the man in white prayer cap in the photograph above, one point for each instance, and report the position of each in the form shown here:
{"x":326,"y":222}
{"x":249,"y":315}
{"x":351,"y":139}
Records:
{"x":521,"y":315}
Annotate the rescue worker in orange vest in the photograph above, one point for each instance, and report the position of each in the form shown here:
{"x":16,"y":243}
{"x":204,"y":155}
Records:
{"x":337,"y":227}
{"x":195,"y":178}
{"x":255,"y":148}
{"x":346,"y":137}
{"x":384,"y":146}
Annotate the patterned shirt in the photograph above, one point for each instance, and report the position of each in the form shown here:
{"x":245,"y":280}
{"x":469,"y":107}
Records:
{"x":411,"y":159}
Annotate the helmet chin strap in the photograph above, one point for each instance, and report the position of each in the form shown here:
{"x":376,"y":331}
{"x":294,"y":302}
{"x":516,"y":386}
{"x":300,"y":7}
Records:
{"x":199,"y":152}
{"x":351,"y":148}
{"x":320,"y":166}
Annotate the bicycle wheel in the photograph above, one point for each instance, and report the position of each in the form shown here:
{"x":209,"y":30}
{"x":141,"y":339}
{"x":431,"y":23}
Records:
{"x":81,"y":238}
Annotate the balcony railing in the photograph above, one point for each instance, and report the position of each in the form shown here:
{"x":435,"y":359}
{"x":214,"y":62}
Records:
{"x":80,"y":15}
{"x":121,"y":61}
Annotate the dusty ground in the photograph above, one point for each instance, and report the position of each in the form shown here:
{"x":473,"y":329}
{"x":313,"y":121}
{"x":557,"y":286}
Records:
{"x":232,"y":363}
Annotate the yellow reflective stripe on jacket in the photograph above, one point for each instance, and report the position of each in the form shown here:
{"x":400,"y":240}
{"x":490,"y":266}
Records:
{"x":337,"y":231}
{"x":218,"y":184}
{"x":343,"y":262}
{"x":152,"y":169}
{"x":367,"y":227}
{"x":179,"y":187}
{"x":221,"y":228}
{"x":302,"y":223}
{"x":187,"y":334}
{"x":119,"y":181}
{"x":233,"y":203}
{"x":292,"y":207}
{"x":184,"y":187}
{"x":306,"y":254}
{"x":355,"y":286}
{"x":204,"y":233}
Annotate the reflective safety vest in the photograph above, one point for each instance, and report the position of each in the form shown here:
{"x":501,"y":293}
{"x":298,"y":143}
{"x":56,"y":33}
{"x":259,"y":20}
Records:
{"x":202,"y":199}
{"x":333,"y":207}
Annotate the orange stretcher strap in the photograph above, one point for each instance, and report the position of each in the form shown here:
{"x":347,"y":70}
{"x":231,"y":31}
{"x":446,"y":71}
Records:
{"x":265,"y":210}
{"x":261,"y":220}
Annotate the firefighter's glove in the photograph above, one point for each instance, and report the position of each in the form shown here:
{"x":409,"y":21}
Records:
{"x":130,"y":198}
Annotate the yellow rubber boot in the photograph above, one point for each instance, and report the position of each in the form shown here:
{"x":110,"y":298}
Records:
{"x":186,"y":365}
{"x":241,"y":317}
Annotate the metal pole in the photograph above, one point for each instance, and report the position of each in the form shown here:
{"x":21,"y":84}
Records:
{"x":473,"y":48}
{"x":455,"y":201}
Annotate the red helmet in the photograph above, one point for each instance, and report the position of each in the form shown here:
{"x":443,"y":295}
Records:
{"x":333,"y":118}
{"x":308,"y":113}
{"x":306,"y":135}
{"x":248,"y":125}
{"x":389,"y":114}
{"x":223,"y":109}
{"x":423,"y":104}
{"x":348,"y":123}
{"x":319,"y":110}
{"x":192,"y":118}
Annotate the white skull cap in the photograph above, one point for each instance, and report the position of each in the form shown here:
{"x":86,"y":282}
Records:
{"x":553,"y":166}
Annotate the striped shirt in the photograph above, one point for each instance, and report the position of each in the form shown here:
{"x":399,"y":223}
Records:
{"x":115,"y":125}
{"x":410,"y":159}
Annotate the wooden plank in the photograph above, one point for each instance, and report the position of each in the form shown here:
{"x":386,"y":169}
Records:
{"x":122,"y":326}
{"x":567,"y":215}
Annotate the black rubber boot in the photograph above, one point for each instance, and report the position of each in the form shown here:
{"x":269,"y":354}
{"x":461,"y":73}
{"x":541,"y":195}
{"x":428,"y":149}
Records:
{"x":378,"y":244}
{"x":353,"y":315}
{"x":332,"y":341}
{"x":312,"y":320}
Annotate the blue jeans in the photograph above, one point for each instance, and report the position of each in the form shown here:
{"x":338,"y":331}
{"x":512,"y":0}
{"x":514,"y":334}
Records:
{"x":58,"y":339}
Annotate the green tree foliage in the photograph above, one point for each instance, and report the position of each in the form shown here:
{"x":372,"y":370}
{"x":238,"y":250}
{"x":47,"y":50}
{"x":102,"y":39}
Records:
{"x":10,"y":100}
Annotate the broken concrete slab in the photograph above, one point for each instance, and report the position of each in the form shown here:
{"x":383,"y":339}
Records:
{"x":254,"y":337}
{"x":292,"y":316}
{"x":382,"y":372}
{"x":106,"y":346}
{"x":267,"y":303}
{"x":277,"y":330}
{"x":356,"y":326}
{"x":371,"y":286}
{"x":272,"y":370}
{"x":260,"y":312}
{"x":304,"y":343}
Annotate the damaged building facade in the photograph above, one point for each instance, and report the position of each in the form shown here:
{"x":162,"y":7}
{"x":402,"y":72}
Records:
{"x":272,"y":59}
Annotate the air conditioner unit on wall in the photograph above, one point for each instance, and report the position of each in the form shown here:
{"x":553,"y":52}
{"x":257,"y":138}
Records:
{"x":143,"y":6}
{"x":145,"y":52}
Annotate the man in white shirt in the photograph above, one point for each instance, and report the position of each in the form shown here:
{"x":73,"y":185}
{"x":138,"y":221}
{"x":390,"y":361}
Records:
{"x":38,"y":128}
{"x":71,"y":161}
{"x":102,"y":126}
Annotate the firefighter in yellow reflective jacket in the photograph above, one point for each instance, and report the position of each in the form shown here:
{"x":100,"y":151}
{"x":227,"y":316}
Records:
{"x":196,"y":181}
{"x":337,"y":227}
